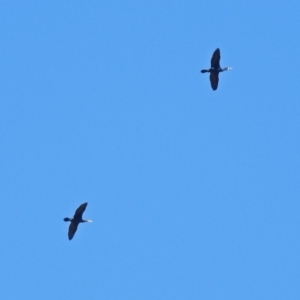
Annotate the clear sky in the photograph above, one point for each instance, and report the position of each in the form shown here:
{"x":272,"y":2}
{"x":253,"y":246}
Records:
{"x":193,"y":193}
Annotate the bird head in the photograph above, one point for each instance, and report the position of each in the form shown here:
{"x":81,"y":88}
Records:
{"x":67,"y":219}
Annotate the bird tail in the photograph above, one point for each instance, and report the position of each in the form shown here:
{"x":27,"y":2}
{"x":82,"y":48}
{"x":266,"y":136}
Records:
{"x":89,"y":221}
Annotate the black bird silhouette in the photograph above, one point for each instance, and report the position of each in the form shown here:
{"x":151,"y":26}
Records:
{"x":76,"y":220}
{"x":215,"y":69}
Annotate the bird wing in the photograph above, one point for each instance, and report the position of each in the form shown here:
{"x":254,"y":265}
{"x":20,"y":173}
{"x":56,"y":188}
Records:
{"x":72,"y":229}
{"x":214,"y":80}
{"x":79,"y":211}
{"x":215,"y":59}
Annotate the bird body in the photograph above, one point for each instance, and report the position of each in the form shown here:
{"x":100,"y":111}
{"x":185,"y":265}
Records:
{"x":77,"y":218}
{"x":215,"y":69}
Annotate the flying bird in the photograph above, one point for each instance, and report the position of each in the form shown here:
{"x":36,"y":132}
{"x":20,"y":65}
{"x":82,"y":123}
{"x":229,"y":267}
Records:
{"x":215,"y":69}
{"x":76,"y":220}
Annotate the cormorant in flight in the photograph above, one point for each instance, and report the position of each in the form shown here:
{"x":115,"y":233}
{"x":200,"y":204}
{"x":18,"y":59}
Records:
{"x":76,"y":220}
{"x":215,"y":69}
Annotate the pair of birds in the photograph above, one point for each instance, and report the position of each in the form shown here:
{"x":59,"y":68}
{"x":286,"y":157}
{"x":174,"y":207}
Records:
{"x":215,"y":69}
{"x":214,"y":80}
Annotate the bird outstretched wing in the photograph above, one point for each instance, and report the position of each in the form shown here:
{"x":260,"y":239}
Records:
{"x":72,"y":229}
{"x":215,"y":59}
{"x":79,"y":211}
{"x":214,"y":80}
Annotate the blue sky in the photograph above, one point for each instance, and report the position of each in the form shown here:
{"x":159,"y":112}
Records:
{"x":193,"y":193}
